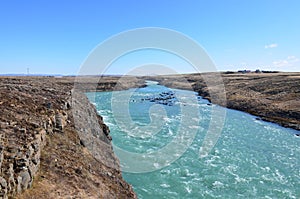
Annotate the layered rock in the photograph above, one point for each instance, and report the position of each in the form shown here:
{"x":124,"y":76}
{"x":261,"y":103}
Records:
{"x":43,"y":153}
{"x":19,"y":161}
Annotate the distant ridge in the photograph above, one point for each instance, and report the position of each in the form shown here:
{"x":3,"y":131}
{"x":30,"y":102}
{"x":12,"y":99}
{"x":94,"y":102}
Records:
{"x":56,"y":75}
{"x":12,"y":74}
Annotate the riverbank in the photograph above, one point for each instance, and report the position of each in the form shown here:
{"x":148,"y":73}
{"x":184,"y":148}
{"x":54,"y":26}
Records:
{"x":273,"y":97}
{"x":41,"y":153}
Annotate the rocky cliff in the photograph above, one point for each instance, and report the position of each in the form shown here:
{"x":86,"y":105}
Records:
{"x":43,"y":154}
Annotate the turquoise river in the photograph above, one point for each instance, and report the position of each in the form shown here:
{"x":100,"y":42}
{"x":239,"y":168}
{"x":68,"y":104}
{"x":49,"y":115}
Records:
{"x":251,"y":159}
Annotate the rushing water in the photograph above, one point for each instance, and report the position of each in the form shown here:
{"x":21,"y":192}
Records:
{"x":252,"y":158}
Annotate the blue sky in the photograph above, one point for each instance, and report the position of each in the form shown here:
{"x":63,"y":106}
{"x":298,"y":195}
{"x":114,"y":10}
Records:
{"x":55,"y":37}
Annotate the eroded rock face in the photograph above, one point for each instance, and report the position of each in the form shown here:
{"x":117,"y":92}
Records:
{"x":19,"y":162}
{"x":39,"y":143}
{"x":22,"y":136}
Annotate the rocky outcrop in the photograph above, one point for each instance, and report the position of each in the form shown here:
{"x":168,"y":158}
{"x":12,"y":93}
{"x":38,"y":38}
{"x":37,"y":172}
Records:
{"x":163,"y":98}
{"x":25,"y":122}
{"x":44,"y":154}
{"x":19,"y":162}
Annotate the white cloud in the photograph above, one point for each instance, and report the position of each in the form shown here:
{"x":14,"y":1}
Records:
{"x":289,"y":61}
{"x":280,"y":63}
{"x":292,"y":58}
{"x":271,"y":46}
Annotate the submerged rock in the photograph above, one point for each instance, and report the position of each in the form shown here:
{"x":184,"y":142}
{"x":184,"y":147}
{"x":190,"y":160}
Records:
{"x":163,"y":98}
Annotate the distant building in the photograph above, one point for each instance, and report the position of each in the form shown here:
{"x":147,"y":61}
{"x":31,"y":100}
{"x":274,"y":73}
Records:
{"x":244,"y":71}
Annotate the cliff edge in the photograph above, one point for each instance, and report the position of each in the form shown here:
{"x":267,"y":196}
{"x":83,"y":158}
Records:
{"x":43,"y":154}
